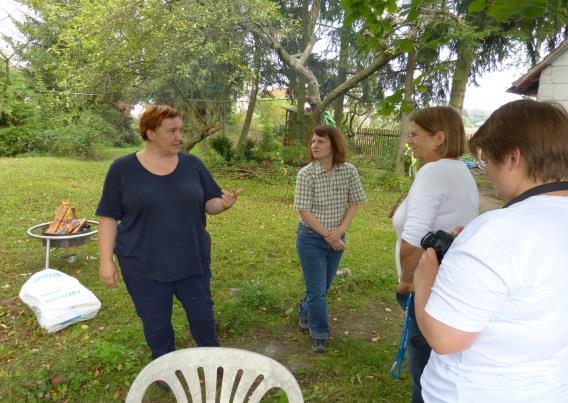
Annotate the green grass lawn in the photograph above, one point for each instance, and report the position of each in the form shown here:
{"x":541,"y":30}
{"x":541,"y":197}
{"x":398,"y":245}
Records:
{"x":256,"y":287}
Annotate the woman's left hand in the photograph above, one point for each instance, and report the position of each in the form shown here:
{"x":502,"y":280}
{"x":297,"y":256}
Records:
{"x":333,"y":237}
{"x":230,"y":198}
{"x":426,"y":271}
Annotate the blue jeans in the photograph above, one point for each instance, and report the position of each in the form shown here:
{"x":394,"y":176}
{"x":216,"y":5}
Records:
{"x":319,"y":265}
{"x":417,"y":348}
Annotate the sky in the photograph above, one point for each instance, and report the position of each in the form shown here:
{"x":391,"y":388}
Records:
{"x":491,"y":92}
{"x":488,"y":96}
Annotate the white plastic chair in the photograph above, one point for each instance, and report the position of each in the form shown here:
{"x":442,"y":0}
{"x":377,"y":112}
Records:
{"x":256,"y":369}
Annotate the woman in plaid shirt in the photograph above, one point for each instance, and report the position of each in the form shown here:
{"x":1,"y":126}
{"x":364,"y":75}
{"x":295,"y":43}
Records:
{"x":328,"y":193}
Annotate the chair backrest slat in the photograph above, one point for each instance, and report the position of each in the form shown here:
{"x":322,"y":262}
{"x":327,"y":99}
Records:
{"x":229,"y":379}
{"x":244,"y":386}
{"x":261,"y":390}
{"x":191,"y":376}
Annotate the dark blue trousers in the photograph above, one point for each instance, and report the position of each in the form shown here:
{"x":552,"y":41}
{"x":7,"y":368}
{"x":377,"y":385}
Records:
{"x":418,"y":350}
{"x":153,"y":301}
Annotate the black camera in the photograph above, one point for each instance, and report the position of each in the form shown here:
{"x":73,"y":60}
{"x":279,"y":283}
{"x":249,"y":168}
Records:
{"x":440,"y":241}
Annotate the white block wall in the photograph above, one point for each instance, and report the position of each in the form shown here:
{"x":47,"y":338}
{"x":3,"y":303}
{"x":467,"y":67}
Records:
{"x":554,"y":81}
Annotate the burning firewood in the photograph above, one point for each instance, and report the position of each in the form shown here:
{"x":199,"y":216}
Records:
{"x":65,"y":220}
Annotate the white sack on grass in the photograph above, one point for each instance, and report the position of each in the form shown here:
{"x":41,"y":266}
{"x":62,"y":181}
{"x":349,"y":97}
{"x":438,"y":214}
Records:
{"x":58,"y":300}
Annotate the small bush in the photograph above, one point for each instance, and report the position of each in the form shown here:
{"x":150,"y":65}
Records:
{"x":246,"y":153}
{"x":268,"y":146}
{"x":223,"y":146}
{"x":83,"y":137}
{"x":295,"y":154}
{"x":16,"y":140}
{"x":387,"y":161}
{"x":122,"y":131}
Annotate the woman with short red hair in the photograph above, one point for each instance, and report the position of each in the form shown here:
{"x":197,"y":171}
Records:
{"x":152,"y":217}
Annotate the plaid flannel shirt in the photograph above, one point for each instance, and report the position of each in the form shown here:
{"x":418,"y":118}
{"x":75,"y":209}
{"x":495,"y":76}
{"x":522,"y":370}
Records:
{"x":327,"y":196}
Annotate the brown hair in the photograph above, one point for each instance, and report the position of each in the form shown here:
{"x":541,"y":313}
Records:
{"x":538,"y":129}
{"x":338,"y":143}
{"x":448,"y":120}
{"x":153,"y":116}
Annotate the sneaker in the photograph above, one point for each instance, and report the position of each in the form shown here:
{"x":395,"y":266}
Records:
{"x":319,"y":345}
{"x":303,"y":322}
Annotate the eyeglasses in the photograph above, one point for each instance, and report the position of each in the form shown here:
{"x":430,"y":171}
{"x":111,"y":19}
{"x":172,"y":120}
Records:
{"x":481,"y":164}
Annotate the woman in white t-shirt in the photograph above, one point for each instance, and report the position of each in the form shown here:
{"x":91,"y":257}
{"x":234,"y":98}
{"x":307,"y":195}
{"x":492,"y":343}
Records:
{"x":443,"y":196}
{"x":494,"y":312}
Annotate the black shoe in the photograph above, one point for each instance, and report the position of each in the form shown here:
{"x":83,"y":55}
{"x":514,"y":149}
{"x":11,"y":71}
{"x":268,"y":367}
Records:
{"x":319,"y":345}
{"x":303,"y":322}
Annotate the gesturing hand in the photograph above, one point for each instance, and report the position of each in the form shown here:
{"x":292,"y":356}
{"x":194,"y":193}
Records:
{"x":230,"y":198}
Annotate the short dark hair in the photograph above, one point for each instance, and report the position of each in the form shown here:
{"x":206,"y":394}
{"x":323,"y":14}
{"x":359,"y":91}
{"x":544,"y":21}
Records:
{"x":448,"y":120}
{"x":338,"y":143}
{"x":538,"y":129}
{"x":153,"y":116}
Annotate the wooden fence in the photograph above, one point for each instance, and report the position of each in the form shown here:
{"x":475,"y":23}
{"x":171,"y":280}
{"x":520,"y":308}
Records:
{"x":377,"y":142}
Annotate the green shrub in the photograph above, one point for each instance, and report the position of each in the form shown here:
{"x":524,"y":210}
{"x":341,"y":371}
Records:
{"x":16,"y":140}
{"x":223,"y":146}
{"x":22,"y":115}
{"x":268,"y":146}
{"x":295,"y":154}
{"x":84,"y":137}
{"x":121,"y":131}
{"x":246,"y":153}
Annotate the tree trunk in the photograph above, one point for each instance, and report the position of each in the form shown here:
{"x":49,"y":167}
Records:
{"x":342,"y":72}
{"x":306,"y":94}
{"x":6,"y":84}
{"x":206,"y":122}
{"x":301,"y":121}
{"x":317,"y":115}
{"x":466,"y":51}
{"x":250,"y":110}
{"x":253,"y":94}
{"x":405,"y":115}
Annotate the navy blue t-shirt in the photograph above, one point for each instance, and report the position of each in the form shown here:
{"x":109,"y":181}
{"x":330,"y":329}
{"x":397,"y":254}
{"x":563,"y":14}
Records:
{"x":161,"y":231}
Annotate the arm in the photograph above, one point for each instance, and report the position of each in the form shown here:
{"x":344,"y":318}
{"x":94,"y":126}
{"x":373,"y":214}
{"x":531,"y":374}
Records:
{"x":409,"y":258}
{"x":318,"y":227}
{"x":314,"y":223}
{"x":107,"y":238}
{"x":422,"y":206}
{"x":355,"y":196}
{"x":217,"y":205}
{"x":442,"y":338}
{"x":337,"y":233}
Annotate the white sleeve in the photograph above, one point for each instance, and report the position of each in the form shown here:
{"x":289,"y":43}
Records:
{"x":471,"y":284}
{"x":422,"y":205}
